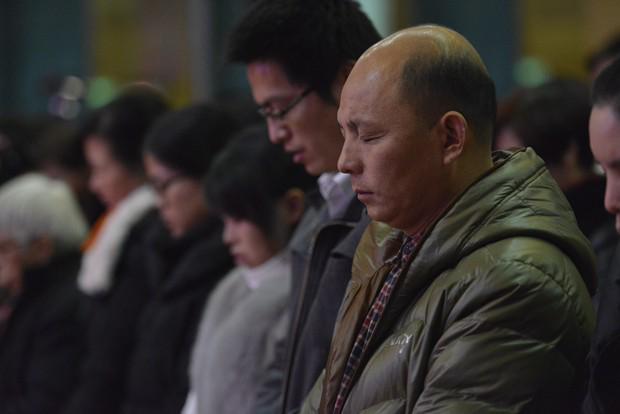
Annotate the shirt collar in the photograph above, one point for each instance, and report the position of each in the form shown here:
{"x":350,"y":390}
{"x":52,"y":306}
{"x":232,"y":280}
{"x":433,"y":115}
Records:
{"x":337,"y":192}
{"x":273,"y":267}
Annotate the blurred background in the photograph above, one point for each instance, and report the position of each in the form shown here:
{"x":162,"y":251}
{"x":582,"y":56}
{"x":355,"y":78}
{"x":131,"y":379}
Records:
{"x":64,"y":57}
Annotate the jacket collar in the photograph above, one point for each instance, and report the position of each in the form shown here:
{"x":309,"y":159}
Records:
{"x":517,"y":198}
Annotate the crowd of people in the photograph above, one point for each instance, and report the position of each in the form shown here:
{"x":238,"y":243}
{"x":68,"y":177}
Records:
{"x":383,"y":241}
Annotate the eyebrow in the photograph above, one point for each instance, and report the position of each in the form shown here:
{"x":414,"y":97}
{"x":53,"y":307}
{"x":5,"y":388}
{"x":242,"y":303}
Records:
{"x":275,"y":97}
{"x":360,"y":123}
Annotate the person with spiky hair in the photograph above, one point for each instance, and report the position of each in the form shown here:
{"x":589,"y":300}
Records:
{"x":298,"y":55}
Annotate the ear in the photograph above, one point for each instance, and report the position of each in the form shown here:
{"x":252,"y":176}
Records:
{"x":453,"y":127}
{"x":341,"y":78}
{"x":293,"y":205}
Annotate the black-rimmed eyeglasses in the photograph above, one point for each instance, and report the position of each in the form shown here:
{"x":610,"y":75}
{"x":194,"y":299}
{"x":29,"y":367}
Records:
{"x":160,"y":186}
{"x":279,"y":114}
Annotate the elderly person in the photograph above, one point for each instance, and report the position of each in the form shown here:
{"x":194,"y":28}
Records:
{"x":468,"y":291}
{"x":41,"y":229}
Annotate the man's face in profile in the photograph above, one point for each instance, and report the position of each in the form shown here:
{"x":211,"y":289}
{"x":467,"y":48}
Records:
{"x":390,"y":150}
{"x":308,"y":130}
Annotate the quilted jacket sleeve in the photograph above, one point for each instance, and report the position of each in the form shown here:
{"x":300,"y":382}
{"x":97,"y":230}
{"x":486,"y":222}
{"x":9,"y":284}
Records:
{"x":514,"y":341}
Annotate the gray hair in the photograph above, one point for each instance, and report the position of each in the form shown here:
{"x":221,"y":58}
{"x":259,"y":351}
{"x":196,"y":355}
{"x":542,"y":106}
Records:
{"x":34,"y":206}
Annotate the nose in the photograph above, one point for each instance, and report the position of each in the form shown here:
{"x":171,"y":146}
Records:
{"x":159,"y":202}
{"x":278,"y":132}
{"x":349,"y":161}
{"x":93,"y":183}
{"x":228,"y":232}
{"x":612,"y":195}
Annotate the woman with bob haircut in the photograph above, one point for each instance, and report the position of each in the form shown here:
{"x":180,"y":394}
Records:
{"x":258,"y":190}
{"x":41,"y":230}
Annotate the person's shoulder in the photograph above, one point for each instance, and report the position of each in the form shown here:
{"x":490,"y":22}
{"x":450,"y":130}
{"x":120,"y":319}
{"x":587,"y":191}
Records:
{"x":229,"y":289}
{"x":521,"y":260}
{"x":520,"y":275}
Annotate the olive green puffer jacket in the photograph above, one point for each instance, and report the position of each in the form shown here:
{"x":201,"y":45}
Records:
{"x":492,"y":316}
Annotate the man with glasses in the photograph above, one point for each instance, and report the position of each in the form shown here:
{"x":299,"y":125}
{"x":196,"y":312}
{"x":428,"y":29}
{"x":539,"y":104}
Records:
{"x":298,"y":55}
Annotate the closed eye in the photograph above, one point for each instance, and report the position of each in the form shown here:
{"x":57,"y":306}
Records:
{"x":370,"y":138}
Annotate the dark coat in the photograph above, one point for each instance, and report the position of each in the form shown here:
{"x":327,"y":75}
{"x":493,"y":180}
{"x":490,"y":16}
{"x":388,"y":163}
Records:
{"x":586,"y":200}
{"x":112,"y":319}
{"x":328,"y":274}
{"x":181,"y":274}
{"x":603,"y":393}
{"x":39,"y":351}
{"x":322,"y":252}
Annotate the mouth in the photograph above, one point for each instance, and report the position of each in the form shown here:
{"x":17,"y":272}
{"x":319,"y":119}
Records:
{"x":363,"y":194}
{"x":297,"y":155}
{"x":238,"y":259}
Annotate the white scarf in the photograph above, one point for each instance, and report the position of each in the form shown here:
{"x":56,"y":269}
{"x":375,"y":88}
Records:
{"x":99,"y":261}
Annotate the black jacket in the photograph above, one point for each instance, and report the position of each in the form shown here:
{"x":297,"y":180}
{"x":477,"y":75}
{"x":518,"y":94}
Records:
{"x":39,"y":351}
{"x":322,"y":252}
{"x":603,"y":393}
{"x":112,"y":319}
{"x":181,"y":274}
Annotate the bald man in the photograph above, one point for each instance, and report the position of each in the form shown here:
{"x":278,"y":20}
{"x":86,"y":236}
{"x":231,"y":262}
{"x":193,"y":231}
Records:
{"x":469,"y":291}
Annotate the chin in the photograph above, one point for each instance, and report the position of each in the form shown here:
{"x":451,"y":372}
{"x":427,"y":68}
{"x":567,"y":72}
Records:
{"x":376,"y":215}
{"x":174,"y":231}
{"x":313,"y":170}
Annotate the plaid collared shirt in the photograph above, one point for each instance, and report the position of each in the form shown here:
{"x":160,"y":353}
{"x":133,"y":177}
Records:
{"x":372,"y":320}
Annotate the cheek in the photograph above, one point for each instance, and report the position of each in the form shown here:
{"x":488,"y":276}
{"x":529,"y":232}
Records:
{"x":110,"y":186}
{"x":256,"y":247}
{"x":183,"y":209}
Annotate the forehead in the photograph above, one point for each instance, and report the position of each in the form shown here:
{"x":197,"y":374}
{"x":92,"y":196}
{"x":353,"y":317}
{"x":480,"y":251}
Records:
{"x":96,"y":146}
{"x":371,"y":90}
{"x":155,"y":167}
{"x":605,"y":135}
{"x":267,"y":78}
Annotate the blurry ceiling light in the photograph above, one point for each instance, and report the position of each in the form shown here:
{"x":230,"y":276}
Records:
{"x":530,"y":71}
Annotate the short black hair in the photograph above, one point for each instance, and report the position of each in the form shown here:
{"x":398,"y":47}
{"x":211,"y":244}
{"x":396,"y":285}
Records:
{"x":250,"y":175}
{"x":60,"y":143}
{"x":552,"y":117}
{"x":187,"y":140}
{"x":451,"y":81}
{"x":311,"y":40}
{"x":16,"y":138}
{"x":609,"y":51}
{"x":124,"y":122}
{"x":606,"y":88}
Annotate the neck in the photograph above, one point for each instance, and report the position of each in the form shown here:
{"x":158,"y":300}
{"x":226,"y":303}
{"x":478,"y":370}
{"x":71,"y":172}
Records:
{"x":461,"y":176}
